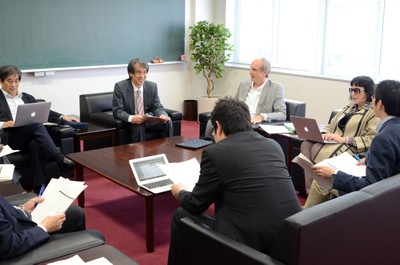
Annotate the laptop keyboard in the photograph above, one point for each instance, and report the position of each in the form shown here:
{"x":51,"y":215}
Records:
{"x":157,"y":184}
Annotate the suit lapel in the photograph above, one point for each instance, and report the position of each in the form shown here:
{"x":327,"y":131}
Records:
{"x":5,"y":110}
{"x":263,"y":96}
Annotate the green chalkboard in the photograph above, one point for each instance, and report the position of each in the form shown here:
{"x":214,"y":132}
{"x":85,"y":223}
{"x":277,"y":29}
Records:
{"x":48,"y":34}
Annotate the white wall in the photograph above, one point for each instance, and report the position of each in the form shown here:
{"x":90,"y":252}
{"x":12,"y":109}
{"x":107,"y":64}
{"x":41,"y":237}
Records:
{"x":178,"y":82}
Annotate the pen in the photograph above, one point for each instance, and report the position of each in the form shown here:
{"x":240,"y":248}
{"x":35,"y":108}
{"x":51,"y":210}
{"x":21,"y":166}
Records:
{"x":288,"y":128}
{"x":40,"y":193}
{"x":357,"y":157}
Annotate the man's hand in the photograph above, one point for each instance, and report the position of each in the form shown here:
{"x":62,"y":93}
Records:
{"x":69,"y":118}
{"x":7,"y":124}
{"x":54,"y":222}
{"x":256,"y":119}
{"x":164,"y":118}
{"x":323,"y":171}
{"x":176,"y":188}
{"x":30,"y":205}
{"x":138,"y":119}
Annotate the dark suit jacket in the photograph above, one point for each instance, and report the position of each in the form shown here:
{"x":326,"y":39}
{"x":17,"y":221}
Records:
{"x":5,"y":113}
{"x":245,"y":176}
{"x":124,"y":100}
{"x":18,"y":233}
{"x":382,"y":159}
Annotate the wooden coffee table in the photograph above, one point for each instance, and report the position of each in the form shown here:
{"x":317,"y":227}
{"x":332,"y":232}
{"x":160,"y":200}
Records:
{"x":112,"y":164}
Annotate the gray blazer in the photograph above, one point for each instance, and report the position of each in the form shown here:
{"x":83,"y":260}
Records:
{"x":272,"y":99}
{"x":124,"y":100}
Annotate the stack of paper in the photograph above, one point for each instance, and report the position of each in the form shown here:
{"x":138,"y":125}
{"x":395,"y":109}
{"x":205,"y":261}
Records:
{"x":6,"y":172}
{"x":344,"y":162}
{"x":58,"y":196}
{"x":278,"y":128}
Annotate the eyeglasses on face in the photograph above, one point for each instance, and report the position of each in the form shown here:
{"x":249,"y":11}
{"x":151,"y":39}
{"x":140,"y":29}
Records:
{"x":356,"y":90}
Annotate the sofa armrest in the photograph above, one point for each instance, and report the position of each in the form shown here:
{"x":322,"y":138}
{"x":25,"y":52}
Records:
{"x":18,"y":199}
{"x":57,"y":246}
{"x":63,"y":136}
{"x":199,"y":244}
{"x":174,"y":114}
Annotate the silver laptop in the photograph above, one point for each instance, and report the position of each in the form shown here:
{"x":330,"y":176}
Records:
{"x":149,"y":175}
{"x":32,"y":113}
{"x":308,"y":129}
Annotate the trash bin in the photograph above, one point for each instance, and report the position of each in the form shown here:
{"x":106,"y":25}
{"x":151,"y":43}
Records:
{"x":190,"y":110}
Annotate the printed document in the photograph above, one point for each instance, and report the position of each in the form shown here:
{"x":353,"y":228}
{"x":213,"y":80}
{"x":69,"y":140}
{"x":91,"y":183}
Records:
{"x":7,"y":150}
{"x":186,"y":172}
{"x":58,"y":196}
{"x":278,"y":128}
{"x":76,"y":260}
{"x":344,"y":162}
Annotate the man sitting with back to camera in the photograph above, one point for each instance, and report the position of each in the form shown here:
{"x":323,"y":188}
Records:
{"x":134,"y":97}
{"x":251,"y":188}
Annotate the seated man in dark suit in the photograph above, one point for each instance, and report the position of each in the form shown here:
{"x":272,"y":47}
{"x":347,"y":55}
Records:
{"x":19,"y":234}
{"x":251,"y":188}
{"x":134,"y":97}
{"x":32,"y":138}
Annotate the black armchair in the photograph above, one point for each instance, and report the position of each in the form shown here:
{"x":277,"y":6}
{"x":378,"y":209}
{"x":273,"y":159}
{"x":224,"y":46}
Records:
{"x":97,"y":108}
{"x":57,"y":246}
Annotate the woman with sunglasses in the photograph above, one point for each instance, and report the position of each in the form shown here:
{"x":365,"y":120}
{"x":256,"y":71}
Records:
{"x":353,"y":128}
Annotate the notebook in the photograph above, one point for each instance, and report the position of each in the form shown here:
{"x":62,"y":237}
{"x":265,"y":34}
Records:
{"x":149,"y":175}
{"x":32,"y":113}
{"x":195,"y":143}
{"x":308,"y":129}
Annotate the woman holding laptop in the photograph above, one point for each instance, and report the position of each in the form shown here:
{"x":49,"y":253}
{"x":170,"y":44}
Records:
{"x":353,"y":128}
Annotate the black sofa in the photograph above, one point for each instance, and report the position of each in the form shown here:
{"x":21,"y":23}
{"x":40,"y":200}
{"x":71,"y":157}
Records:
{"x":361,"y":227}
{"x":293,"y":107}
{"x":97,"y":108}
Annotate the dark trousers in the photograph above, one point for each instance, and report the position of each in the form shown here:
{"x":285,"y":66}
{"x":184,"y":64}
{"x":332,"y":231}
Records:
{"x":139,"y":132}
{"x":35,"y":140}
{"x":179,"y":213}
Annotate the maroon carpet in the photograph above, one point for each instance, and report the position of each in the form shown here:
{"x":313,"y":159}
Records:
{"x":119,"y":214}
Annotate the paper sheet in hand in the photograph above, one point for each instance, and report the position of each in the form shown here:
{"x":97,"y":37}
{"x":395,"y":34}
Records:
{"x":6,"y":172}
{"x":7,"y":150}
{"x":344,"y":162}
{"x":186,"y":172}
{"x":150,"y":118}
{"x":58,"y":196}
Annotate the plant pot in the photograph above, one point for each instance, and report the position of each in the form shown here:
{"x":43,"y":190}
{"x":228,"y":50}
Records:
{"x":205,"y":104}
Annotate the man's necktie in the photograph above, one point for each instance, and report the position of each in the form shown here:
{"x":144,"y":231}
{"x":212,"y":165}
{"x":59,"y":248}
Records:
{"x":139,"y":102}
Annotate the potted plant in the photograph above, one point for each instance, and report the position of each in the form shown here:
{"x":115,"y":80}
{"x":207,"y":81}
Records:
{"x":210,"y":50}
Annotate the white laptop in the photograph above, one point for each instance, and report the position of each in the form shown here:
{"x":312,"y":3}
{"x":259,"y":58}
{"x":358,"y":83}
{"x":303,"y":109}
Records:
{"x":149,"y":175}
{"x":308,"y":129}
{"x":32,"y":113}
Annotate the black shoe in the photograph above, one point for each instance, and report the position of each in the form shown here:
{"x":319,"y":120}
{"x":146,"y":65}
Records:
{"x":64,"y":163}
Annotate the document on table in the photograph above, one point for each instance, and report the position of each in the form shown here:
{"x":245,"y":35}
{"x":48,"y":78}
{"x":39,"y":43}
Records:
{"x":344,"y":162}
{"x":76,"y":260}
{"x":151,"y":118}
{"x":6,"y":172}
{"x":278,"y":128}
{"x":58,"y":196}
{"x":7,"y":150}
{"x":186,"y":172}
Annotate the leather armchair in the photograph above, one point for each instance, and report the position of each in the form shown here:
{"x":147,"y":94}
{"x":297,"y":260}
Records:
{"x":315,"y":235}
{"x":293,"y":107}
{"x":97,"y":108}
{"x":57,"y":246}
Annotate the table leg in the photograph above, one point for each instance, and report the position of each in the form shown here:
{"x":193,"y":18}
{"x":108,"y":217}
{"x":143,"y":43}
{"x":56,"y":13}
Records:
{"x":79,"y":177}
{"x":149,"y":224}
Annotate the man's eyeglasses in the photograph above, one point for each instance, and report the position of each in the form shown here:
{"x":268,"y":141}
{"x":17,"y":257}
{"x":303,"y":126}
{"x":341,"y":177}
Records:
{"x":356,"y":90}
